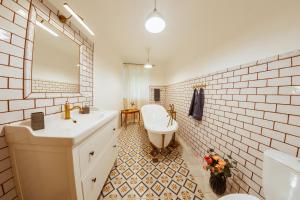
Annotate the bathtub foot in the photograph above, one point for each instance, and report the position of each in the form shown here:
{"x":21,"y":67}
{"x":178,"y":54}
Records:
{"x":154,"y":152}
{"x":174,"y":143}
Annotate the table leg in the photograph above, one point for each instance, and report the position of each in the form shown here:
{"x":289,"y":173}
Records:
{"x":125,"y":121}
{"x":121,"y":119}
{"x":139,"y":118}
{"x":133,"y":117}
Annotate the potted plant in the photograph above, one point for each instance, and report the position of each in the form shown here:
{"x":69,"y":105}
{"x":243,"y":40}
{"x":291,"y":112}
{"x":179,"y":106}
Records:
{"x":220,"y":169}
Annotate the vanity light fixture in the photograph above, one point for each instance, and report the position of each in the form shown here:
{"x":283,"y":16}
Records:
{"x":40,"y":24}
{"x":79,"y":19}
{"x":155,"y":22}
{"x":148,"y":65}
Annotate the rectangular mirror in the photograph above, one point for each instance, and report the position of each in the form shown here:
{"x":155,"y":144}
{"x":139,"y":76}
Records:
{"x":56,"y":59}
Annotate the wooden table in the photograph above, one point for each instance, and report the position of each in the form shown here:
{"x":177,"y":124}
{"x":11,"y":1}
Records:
{"x":127,"y":112}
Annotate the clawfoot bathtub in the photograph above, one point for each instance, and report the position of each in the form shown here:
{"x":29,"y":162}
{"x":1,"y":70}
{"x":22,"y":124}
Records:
{"x":156,"y":122}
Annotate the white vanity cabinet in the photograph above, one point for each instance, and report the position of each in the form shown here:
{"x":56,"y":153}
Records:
{"x":66,"y":160}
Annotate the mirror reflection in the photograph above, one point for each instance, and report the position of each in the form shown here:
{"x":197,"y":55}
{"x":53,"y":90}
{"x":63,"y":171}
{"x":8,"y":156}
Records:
{"x":55,"y":65}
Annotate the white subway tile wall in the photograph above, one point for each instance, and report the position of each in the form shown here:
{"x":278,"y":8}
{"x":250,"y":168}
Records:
{"x":17,"y":36}
{"x":247,"y":110}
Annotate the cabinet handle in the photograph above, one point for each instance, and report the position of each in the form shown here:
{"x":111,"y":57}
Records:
{"x":114,"y":129}
{"x":94,"y":180}
{"x":115,"y":146}
{"x":92,"y":153}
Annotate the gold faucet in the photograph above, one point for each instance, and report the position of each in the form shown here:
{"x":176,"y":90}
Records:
{"x":68,"y":110}
{"x":171,"y":114}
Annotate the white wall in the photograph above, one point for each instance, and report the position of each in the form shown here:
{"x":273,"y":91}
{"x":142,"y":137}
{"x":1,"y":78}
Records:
{"x":275,"y":31}
{"x":157,"y":75}
{"x":108,"y":92}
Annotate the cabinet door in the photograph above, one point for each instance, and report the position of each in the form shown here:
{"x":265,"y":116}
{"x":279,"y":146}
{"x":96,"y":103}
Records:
{"x":92,"y":184}
{"x":94,"y":147}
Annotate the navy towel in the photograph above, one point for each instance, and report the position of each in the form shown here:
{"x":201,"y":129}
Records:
{"x":193,"y":102}
{"x":197,"y":104}
{"x":156,"y":94}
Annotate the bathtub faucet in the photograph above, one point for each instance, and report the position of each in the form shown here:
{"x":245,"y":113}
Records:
{"x":171,"y":112}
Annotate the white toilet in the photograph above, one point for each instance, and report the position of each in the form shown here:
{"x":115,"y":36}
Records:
{"x":281,"y":178}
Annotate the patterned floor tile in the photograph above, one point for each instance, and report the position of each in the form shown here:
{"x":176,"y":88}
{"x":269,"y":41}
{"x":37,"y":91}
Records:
{"x":118,"y":181}
{"x":113,"y":173}
{"x":136,"y":176}
{"x":190,"y":185}
{"x":130,"y":162}
{"x":124,"y":189}
{"x":149,"y":180}
{"x":156,"y":173}
{"x":170,"y":172}
{"x":183,"y":171}
{"x":134,"y":181}
{"x":179,"y":178}
{"x":142,"y":173}
{"x":108,"y":188}
{"x":174,"y":187}
{"x":141,"y":189}
{"x":168,"y":195}
{"x":136,"y":167}
{"x":149,"y":167}
{"x":158,"y":188}
{"x":161,"y":167}
{"x":164,"y":180}
{"x":127,"y":174}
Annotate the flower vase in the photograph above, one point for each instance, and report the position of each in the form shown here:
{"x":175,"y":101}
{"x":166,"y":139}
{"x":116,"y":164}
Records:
{"x":218,"y":183}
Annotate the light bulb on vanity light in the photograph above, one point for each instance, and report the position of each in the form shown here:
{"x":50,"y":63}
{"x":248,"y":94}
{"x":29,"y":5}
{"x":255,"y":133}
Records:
{"x":155,"y":22}
{"x":79,"y":19}
{"x":40,"y":24}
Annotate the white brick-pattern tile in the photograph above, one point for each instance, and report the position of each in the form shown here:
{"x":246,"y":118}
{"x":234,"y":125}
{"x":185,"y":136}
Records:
{"x":248,"y":109}
{"x":17,"y":101}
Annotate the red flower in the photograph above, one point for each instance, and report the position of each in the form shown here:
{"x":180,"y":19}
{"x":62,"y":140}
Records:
{"x":208,"y":159}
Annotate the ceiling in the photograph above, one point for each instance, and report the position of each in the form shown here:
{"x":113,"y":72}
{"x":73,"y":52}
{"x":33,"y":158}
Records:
{"x":192,"y":26}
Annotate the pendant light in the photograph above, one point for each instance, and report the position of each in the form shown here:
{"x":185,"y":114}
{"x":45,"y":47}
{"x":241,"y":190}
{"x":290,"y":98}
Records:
{"x":148,"y":65}
{"x":155,"y":22}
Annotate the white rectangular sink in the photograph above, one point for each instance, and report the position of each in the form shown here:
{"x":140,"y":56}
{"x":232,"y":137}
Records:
{"x":69,"y":132}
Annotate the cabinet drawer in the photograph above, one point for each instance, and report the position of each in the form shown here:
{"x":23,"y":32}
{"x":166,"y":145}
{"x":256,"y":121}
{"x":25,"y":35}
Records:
{"x":92,"y":184}
{"x":94,"y":146}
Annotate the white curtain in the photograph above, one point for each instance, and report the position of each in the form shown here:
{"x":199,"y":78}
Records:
{"x":136,"y":86}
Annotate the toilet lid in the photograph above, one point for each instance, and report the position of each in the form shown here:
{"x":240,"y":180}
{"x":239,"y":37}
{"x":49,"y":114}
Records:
{"x":238,"y":197}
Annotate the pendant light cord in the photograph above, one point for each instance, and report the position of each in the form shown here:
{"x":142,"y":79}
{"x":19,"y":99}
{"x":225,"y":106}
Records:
{"x":154,"y":5}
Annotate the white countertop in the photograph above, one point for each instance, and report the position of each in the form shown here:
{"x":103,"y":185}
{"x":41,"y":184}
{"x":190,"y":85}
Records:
{"x":59,"y":131}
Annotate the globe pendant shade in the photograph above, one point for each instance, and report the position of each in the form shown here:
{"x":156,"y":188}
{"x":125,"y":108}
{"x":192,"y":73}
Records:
{"x":155,"y":23}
